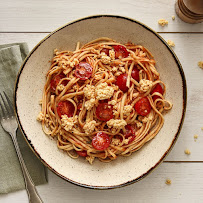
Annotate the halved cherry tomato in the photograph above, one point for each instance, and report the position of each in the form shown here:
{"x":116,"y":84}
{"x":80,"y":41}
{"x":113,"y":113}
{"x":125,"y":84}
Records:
{"x":121,"y":82}
{"x":82,"y":153}
{"x":55,"y":81}
{"x":65,"y":108}
{"x":130,"y":133}
{"x":101,"y":141}
{"x":120,"y":51}
{"x":106,"y":51}
{"x":135,"y":74}
{"x":104,"y":111}
{"x":158,"y":88}
{"x":83,"y":70}
{"x":143,"y":106}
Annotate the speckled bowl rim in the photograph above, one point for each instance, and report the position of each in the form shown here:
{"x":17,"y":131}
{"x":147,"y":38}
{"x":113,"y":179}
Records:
{"x":180,"y":124}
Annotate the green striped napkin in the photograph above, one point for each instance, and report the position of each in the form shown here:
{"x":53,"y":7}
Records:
{"x":11,"y":177}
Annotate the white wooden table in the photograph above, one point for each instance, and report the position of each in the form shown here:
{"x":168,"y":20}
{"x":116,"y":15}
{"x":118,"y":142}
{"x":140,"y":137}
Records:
{"x":30,"y":21}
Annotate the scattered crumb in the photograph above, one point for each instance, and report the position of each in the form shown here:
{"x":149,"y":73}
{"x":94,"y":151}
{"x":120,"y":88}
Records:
{"x":173,"y":17}
{"x":195,"y":137}
{"x":168,"y":181}
{"x":200,"y":64}
{"x":202,"y":128}
{"x":40,"y":102}
{"x":187,"y":151}
{"x":162,"y":22}
{"x":171,"y":43}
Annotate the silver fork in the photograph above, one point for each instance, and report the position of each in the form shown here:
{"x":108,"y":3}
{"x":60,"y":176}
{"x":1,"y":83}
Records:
{"x":9,"y":123}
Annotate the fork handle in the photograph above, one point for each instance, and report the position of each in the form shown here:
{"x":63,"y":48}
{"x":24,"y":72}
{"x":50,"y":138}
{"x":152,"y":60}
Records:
{"x":29,"y":185}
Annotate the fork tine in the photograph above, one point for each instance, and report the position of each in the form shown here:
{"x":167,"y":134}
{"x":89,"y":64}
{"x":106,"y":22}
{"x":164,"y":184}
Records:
{"x":2,"y":109}
{"x":6,"y":106}
{"x":9,"y":103}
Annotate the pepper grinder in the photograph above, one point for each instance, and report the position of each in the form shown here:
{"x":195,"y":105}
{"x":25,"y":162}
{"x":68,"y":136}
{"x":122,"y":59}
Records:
{"x":190,"y":11}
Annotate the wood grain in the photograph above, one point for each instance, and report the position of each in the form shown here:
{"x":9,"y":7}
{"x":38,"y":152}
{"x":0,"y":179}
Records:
{"x":189,"y":51}
{"x":186,"y":185}
{"x":46,"y":16}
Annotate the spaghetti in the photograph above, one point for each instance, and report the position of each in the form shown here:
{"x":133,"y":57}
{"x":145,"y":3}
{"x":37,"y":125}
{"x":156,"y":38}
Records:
{"x":103,"y":100}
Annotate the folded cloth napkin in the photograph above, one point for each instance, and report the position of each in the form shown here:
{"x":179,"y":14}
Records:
{"x":11,"y":177}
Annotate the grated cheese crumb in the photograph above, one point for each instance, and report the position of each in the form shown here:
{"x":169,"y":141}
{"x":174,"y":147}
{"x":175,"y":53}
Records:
{"x":162,"y":22}
{"x":103,"y":91}
{"x":90,"y":103}
{"x":112,"y":102}
{"x":115,"y":141}
{"x":139,"y":124}
{"x":187,"y":151}
{"x":40,"y":117}
{"x":127,"y":109}
{"x":89,"y":91}
{"x":145,"y":85}
{"x":60,"y":87}
{"x":168,"y":181}
{"x":112,"y":54}
{"x":116,"y":124}
{"x":105,"y":59}
{"x":89,"y":127}
{"x":122,"y":69}
{"x":114,"y":69}
{"x":173,"y":17}
{"x":170,"y":43}
{"x":200,"y":64}
{"x":68,"y":122}
{"x":74,"y":63}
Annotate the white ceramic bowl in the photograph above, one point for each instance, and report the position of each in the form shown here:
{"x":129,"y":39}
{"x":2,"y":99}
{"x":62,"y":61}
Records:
{"x":31,"y":80}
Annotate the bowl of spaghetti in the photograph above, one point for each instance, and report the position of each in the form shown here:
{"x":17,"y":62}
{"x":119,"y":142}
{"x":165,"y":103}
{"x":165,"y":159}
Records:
{"x":96,"y":102}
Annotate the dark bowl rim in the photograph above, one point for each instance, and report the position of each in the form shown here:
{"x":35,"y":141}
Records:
{"x":175,"y":137}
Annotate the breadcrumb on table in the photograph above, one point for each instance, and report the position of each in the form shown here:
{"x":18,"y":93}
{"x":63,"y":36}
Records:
{"x":162,"y":22}
{"x":168,"y":181}
{"x":170,"y":43}
{"x":187,"y":151}
{"x":200,"y":64}
{"x":195,"y":137}
{"x":173,"y":17}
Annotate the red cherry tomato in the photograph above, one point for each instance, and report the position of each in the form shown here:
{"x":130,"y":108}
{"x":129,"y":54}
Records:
{"x":83,"y":71}
{"x":158,"y":88}
{"x":143,"y":106}
{"x":121,"y":82}
{"x":104,"y":111}
{"x":106,"y":51}
{"x":65,"y":108}
{"x":55,"y":81}
{"x":101,"y":141}
{"x":135,"y":74}
{"x":120,"y":51}
{"x":82,"y":153}
{"x":130,"y":133}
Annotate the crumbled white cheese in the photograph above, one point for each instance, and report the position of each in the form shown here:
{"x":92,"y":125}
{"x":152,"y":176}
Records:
{"x":118,"y":73}
{"x":74,"y":63}
{"x":115,"y":141}
{"x":105,"y":59}
{"x":112,"y":102}
{"x":145,"y":85}
{"x":68,"y":122}
{"x":60,"y":87}
{"x":139,"y":124}
{"x":127,"y":109}
{"x":162,"y":22}
{"x":116,"y":124}
{"x":112,"y":54}
{"x":89,"y":127}
{"x":90,"y":103}
{"x":40,"y":117}
{"x":170,"y":43}
{"x":122,"y":69}
{"x":98,"y":77}
{"x":200,"y":64}
{"x":103,"y":91}
{"x":114,"y":69}
{"x":89,"y":91}
{"x":115,"y":113}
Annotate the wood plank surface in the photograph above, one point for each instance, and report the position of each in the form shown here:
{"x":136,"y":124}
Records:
{"x":186,"y":185}
{"x":189,"y":51}
{"x":46,"y":16}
